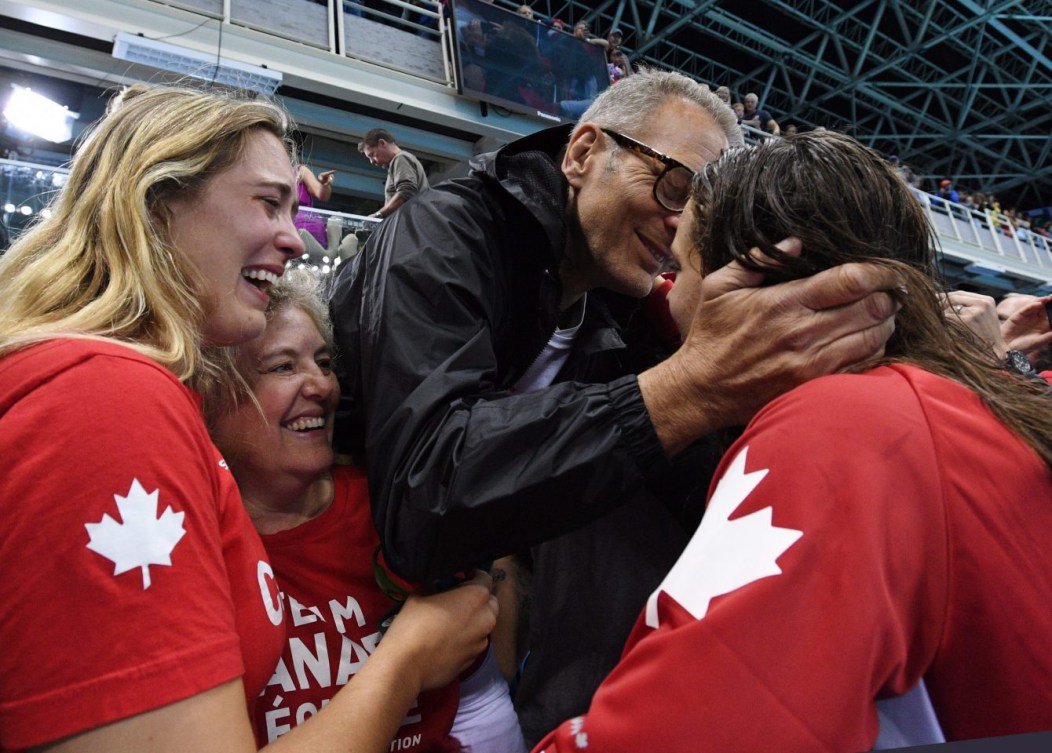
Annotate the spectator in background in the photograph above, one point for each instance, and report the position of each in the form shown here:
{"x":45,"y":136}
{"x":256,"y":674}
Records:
{"x":724,"y":93}
{"x":616,"y":57}
{"x":790,"y":130}
{"x":757,"y":118}
{"x":947,"y":192}
{"x":405,"y":175}
{"x":578,"y":84}
{"x":582,"y":30}
{"x":739,"y":111}
{"x":526,"y":12}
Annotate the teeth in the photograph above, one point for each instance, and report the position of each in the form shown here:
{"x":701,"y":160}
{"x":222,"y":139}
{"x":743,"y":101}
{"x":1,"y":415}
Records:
{"x":261,"y":274}
{"x":302,"y":424}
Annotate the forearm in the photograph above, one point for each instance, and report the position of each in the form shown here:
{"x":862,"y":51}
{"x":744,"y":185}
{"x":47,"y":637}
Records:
{"x":319,"y":189}
{"x":679,"y":412}
{"x":385,"y":211}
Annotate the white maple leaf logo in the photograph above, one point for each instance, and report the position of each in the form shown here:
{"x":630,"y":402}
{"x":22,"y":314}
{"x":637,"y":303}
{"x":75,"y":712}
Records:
{"x":141,"y":539}
{"x":725,"y":554}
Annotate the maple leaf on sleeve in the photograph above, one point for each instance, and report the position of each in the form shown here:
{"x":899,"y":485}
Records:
{"x":725,"y":554}
{"x":141,"y":538}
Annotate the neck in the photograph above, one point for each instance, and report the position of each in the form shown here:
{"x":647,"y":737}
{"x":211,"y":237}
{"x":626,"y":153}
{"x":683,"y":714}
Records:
{"x":283,"y":506}
{"x":575,"y":275}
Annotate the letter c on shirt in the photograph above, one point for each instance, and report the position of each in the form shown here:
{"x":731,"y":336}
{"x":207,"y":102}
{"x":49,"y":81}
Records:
{"x":268,"y":588}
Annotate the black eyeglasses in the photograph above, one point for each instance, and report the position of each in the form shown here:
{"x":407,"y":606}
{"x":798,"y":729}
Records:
{"x":672,"y":186}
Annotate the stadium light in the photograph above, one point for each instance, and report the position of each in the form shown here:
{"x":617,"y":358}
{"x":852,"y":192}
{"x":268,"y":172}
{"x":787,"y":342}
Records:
{"x":37,"y":115}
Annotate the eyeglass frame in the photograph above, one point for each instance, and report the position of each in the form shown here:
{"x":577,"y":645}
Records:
{"x":670,"y":163}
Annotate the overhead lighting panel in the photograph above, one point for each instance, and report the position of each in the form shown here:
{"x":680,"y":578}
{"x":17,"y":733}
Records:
{"x":37,"y":115}
{"x":170,"y":57}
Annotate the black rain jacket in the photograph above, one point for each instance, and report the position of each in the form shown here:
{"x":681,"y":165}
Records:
{"x":451,"y":300}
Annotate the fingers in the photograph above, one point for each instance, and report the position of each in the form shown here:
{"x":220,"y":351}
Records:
{"x":734,"y":276}
{"x":482,"y":579}
{"x":957,"y":301}
{"x":847,"y":284}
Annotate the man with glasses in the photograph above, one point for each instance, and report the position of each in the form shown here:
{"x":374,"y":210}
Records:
{"x":508,"y":379}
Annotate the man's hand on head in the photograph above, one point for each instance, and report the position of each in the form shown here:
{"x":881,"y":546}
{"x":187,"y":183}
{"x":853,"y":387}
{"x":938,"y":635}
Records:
{"x":748,"y":345}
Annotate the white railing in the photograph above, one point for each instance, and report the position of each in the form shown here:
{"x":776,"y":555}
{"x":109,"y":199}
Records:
{"x":991,"y":236}
{"x":412,"y":38}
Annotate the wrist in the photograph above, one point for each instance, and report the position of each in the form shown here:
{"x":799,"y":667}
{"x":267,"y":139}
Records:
{"x":678,"y":410}
{"x":1017,"y":362}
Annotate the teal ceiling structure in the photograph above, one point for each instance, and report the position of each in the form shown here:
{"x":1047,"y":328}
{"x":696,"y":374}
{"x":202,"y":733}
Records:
{"x":958,"y":90}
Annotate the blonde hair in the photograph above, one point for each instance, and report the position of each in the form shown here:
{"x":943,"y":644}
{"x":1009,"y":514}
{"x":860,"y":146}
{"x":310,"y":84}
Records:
{"x":103,"y":266}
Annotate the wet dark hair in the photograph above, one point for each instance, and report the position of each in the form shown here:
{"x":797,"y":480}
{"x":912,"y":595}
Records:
{"x":846,"y":204}
{"x":838,"y":196}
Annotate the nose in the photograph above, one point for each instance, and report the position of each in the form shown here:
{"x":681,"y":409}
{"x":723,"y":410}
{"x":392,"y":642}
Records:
{"x":289,"y":241}
{"x":672,"y":220}
{"x":317,"y":384}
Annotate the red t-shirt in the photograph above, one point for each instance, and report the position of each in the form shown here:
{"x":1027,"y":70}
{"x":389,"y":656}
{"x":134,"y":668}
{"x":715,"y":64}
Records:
{"x":865,"y":532}
{"x":324,"y":568}
{"x":132,"y":576}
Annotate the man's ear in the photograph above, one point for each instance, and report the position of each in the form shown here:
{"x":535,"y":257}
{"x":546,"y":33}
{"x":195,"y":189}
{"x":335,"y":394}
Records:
{"x":582,"y":153}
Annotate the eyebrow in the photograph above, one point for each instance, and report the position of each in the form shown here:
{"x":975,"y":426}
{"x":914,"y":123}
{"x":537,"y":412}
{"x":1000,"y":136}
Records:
{"x":291,"y":353}
{"x":283,"y":188}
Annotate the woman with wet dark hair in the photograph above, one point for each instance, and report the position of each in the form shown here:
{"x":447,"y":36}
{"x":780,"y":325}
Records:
{"x":872,"y":567}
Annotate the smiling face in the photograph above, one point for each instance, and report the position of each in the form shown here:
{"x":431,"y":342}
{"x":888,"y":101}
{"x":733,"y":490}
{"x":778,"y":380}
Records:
{"x":238,"y":232}
{"x":290,"y":434}
{"x":625,"y":235}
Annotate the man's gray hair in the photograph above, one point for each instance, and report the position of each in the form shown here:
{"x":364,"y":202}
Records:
{"x":631,"y":102}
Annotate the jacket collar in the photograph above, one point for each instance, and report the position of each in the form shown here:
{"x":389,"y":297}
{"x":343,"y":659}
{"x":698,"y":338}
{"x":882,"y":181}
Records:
{"x":529,"y":171}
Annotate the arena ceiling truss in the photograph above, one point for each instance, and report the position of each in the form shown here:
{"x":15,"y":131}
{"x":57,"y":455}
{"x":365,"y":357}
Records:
{"x":958,"y":89}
